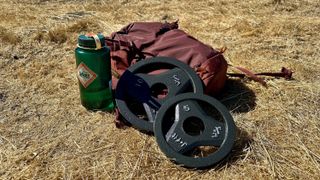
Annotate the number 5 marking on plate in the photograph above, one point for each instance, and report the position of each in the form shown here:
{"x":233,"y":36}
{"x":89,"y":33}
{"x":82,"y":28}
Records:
{"x":176,"y":79}
{"x":216,"y":131}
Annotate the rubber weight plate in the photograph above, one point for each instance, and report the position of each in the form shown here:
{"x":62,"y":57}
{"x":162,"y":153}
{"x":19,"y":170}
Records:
{"x":194,"y":130}
{"x":140,"y":91}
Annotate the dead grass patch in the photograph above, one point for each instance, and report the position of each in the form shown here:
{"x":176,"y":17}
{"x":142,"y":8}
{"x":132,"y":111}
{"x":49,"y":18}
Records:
{"x":8,"y":37}
{"x":46,"y":134}
{"x":64,"y":33}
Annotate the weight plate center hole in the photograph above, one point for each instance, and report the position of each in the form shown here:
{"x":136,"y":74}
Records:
{"x":193,"y":126}
{"x":159,"y":90}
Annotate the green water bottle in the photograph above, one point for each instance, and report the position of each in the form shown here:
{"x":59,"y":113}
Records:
{"x":94,"y":72}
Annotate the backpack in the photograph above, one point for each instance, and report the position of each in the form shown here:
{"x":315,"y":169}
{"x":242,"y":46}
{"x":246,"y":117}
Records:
{"x":141,"y":40}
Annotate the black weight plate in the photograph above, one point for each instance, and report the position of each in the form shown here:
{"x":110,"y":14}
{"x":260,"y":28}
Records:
{"x":136,"y":85}
{"x":188,"y":122}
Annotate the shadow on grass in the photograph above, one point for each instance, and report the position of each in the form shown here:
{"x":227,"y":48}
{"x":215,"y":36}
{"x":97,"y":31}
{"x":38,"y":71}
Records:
{"x":239,"y":151}
{"x":237,"y":97}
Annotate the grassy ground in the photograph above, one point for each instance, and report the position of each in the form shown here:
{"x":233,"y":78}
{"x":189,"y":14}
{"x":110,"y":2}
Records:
{"x":46,"y":134}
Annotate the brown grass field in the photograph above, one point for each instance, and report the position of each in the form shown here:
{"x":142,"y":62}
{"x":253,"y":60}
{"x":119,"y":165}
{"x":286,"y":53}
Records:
{"x":45,"y":133}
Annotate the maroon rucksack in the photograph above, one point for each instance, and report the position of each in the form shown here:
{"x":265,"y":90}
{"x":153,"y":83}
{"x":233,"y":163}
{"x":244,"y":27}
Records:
{"x":142,"y":40}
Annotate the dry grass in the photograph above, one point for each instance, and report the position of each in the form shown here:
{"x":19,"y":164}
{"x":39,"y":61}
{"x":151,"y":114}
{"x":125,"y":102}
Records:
{"x":46,"y":134}
{"x":8,"y":37}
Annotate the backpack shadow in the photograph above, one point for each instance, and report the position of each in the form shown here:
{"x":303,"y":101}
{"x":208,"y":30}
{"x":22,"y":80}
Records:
{"x":237,"y":97}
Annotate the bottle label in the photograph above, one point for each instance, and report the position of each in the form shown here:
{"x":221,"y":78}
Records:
{"x":85,"y":75}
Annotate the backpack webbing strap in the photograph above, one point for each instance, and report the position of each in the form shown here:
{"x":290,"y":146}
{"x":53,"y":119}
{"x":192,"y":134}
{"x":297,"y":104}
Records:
{"x":285,"y":73}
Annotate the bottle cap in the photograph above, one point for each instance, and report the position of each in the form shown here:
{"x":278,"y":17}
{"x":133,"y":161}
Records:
{"x":91,"y":41}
